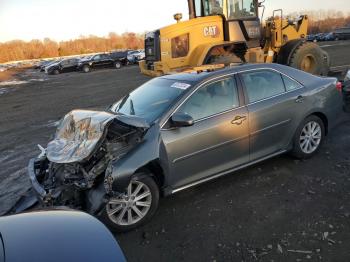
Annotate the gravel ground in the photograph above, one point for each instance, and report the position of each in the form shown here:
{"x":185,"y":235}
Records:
{"x":280,"y":210}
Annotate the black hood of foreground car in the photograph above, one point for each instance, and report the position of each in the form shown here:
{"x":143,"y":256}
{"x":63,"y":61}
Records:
{"x":80,"y":131}
{"x":56,"y":236}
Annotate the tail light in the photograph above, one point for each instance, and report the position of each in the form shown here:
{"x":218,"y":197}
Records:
{"x":339,"y":86}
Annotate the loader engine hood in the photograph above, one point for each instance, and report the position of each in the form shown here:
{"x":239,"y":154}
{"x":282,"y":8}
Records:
{"x":80,"y":131}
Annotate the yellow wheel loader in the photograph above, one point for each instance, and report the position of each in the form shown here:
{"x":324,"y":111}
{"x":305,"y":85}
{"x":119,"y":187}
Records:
{"x":226,"y":32}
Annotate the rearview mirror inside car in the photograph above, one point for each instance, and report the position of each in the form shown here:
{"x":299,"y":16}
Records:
{"x":181,"y":120}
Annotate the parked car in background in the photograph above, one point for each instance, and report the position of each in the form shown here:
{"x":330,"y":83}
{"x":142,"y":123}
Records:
{"x":56,"y":236}
{"x":45,"y":63}
{"x":310,"y":38}
{"x":135,"y":56}
{"x":343,"y":33}
{"x":121,"y":56}
{"x":101,"y":61}
{"x":117,"y":163}
{"x":320,"y":37}
{"x":49,"y":63}
{"x":331,"y":37}
{"x":63,"y":66}
{"x":346,"y":91}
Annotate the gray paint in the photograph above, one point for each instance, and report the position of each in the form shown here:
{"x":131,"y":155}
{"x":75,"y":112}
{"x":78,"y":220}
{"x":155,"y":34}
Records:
{"x":195,"y":153}
{"x":216,"y":145}
{"x":57,"y":236}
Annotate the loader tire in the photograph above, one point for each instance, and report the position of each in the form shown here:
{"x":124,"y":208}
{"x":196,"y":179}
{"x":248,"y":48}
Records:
{"x":310,"y":58}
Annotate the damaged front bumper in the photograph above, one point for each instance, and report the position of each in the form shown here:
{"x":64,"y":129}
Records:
{"x":33,"y":178}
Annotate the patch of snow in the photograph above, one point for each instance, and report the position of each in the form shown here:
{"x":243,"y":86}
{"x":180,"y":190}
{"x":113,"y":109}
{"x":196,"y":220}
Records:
{"x":13,"y":82}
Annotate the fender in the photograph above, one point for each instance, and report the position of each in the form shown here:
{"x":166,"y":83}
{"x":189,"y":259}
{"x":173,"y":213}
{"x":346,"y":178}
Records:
{"x":124,"y":168}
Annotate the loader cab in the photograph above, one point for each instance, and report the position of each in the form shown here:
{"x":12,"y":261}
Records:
{"x":241,"y":22}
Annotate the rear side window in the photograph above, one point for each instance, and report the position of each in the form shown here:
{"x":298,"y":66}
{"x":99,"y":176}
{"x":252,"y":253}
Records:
{"x":262,"y":84}
{"x":290,"y":84}
{"x":212,"y":99}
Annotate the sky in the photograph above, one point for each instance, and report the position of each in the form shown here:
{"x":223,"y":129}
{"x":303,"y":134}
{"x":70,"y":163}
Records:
{"x":69,"y":19}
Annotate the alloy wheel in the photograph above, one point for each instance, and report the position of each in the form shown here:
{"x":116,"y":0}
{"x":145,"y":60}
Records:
{"x":310,"y":137}
{"x":132,"y":206}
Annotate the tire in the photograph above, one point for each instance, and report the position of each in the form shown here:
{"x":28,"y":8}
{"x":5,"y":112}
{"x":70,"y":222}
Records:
{"x":86,"y":69}
{"x":117,"y":65}
{"x":298,"y":150}
{"x":123,"y":204}
{"x":310,"y":58}
{"x":55,"y":72}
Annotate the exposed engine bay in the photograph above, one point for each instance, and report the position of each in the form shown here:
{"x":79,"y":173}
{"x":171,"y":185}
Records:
{"x":71,"y":171}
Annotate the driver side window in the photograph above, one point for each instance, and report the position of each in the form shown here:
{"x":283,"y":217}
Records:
{"x":212,"y":99}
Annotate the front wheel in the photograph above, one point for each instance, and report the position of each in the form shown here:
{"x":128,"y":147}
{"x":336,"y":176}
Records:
{"x":308,"y":137}
{"x":86,"y":68}
{"x":117,"y":65}
{"x":310,"y":58}
{"x":133,"y":208}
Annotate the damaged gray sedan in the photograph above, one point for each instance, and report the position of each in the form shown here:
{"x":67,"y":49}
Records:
{"x":177,"y":131}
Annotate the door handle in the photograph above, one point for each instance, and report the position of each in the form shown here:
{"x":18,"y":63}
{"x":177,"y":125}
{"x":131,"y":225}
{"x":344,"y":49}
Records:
{"x":238,"y":120}
{"x":299,"y":99}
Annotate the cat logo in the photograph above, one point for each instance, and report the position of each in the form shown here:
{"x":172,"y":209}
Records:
{"x":212,"y":31}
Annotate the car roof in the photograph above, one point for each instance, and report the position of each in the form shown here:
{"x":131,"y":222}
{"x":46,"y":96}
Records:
{"x":196,"y":77}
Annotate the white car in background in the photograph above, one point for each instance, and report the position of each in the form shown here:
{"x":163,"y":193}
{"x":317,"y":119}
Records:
{"x":135,"y":55}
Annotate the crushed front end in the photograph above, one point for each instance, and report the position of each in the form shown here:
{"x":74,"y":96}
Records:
{"x":71,"y":171}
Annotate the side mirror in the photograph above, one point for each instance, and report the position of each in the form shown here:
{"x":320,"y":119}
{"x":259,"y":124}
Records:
{"x":181,"y":120}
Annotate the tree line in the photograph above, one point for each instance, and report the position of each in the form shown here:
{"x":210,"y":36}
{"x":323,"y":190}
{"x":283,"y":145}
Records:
{"x":319,"y":21}
{"x":20,"y":50}
{"x":323,"y":21}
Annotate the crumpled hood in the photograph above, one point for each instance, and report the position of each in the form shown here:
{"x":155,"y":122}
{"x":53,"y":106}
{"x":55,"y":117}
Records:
{"x":80,"y":131}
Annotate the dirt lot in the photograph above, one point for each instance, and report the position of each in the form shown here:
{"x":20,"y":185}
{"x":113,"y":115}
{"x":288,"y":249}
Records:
{"x":280,"y":210}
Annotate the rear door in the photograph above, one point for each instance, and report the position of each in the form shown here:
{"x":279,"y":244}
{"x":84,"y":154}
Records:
{"x":218,"y":140}
{"x":275,"y":106}
{"x":106,"y":60}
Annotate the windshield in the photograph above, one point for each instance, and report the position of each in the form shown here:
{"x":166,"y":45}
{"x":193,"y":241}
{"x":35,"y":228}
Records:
{"x":233,"y":9}
{"x":152,"y":99}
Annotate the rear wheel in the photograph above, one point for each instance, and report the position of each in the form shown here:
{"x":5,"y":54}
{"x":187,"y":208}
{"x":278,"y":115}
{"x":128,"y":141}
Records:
{"x":308,"y":137}
{"x":56,"y":72}
{"x":135,"y":207}
{"x":310,"y":58}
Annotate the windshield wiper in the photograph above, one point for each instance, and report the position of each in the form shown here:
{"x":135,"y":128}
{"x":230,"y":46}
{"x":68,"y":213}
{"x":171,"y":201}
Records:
{"x":132,"y":109}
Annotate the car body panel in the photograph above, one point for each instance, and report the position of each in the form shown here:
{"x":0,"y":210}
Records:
{"x":57,"y":236}
{"x":209,"y":146}
{"x":272,"y":124}
{"x":215,"y":145}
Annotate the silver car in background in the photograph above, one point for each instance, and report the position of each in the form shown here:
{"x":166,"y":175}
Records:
{"x":177,"y":131}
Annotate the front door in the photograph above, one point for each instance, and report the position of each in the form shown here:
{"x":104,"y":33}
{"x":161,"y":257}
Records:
{"x":218,"y":140}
